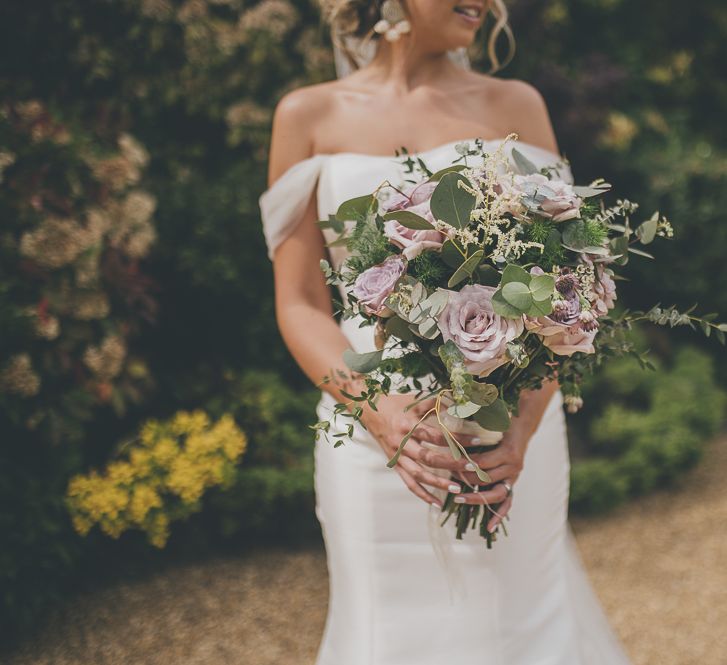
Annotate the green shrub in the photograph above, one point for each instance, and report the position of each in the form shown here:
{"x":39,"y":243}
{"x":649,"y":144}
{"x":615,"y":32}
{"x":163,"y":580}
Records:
{"x":651,"y":430}
{"x":272,"y":492}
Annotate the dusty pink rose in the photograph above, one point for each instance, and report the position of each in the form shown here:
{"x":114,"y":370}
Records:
{"x":412,"y":241}
{"x":561,"y":339}
{"x":479,"y":333}
{"x":417,"y":200}
{"x":373,"y":285}
{"x":605,"y":290}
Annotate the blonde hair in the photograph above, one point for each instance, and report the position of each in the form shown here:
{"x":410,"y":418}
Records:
{"x":356,"y":18}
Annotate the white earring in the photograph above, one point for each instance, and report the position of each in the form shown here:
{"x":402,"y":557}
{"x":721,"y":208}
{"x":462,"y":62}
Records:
{"x":393,"y":23}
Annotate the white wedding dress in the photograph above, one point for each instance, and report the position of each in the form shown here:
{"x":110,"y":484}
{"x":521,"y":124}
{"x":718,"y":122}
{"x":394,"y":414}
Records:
{"x":527,"y":601}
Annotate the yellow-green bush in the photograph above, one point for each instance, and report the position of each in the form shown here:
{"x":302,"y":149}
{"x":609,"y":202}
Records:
{"x":159,"y":477}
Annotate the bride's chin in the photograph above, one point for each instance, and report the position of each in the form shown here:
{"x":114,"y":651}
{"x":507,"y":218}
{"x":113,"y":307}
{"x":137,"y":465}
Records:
{"x":461,"y":37}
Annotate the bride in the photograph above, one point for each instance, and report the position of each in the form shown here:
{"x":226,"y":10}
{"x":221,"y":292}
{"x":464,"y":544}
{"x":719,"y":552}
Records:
{"x":404,"y":81}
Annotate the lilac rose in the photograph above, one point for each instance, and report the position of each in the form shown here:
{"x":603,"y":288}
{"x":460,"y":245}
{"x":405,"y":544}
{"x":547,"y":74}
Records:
{"x":560,"y":201}
{"x":373,"y":285}
{"x":482,"y":335}
{"x":417,"y":200}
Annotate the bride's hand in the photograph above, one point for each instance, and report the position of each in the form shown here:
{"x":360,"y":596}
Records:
{"x":504,"y":465}
{"x":390,"y":423}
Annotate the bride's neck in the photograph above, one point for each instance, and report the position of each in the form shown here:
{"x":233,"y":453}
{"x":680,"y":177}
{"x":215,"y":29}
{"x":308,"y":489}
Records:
{"x":402,"y":66}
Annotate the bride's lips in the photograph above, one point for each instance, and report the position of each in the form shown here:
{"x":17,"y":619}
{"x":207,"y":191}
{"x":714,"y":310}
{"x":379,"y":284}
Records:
{"x":470,"y":12}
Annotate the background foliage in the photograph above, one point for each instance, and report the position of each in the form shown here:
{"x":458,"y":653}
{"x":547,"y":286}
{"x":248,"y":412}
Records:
{"x":133,"y":275}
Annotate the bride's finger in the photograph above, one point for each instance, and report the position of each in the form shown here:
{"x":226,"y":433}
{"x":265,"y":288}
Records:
{"x":502,"y":510}
{"x":421,"y":475}
{"x":416,"y":488}
{"x":434,"y":458}
{"x":495,"y":495}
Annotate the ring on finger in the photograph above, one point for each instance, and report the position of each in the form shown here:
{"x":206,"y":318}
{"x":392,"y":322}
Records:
{"x":508,"y":487}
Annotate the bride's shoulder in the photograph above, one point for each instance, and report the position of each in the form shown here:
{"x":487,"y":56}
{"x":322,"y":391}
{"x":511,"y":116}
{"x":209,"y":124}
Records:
{"x":522,"y":104}
{"x":296,"y":118}
{"x":510,"y":94}
{"x":307,"y":100}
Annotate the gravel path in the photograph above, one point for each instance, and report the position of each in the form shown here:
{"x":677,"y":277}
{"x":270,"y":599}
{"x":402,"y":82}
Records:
{"x":659,"y":566}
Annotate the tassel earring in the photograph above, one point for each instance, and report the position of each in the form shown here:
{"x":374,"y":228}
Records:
{"x":393,"y":23}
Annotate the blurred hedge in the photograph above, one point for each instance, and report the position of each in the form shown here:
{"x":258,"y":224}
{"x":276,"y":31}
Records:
{"x":644,"y":429}
{"x":635,"y":93}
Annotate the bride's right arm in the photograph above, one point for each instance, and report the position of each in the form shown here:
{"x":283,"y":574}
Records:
{"x":304,"y":315}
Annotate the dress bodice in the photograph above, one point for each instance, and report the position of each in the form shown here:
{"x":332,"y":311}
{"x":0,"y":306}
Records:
{"x":337,"y":177}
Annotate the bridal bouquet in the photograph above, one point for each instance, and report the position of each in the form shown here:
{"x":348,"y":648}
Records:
{"x":484,"y":279}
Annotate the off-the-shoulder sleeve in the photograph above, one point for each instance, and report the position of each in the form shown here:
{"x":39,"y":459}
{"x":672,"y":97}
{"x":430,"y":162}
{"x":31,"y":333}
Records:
{"x":283,"y":204}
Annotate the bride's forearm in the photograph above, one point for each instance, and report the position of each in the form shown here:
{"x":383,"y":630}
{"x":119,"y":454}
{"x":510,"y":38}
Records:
{"x":316,"y":342}
{"x":532,"y":406}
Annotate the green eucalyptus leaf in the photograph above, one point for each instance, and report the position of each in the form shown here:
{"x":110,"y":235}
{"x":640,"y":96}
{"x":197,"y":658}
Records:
{"x":587,"y":192}
{"x":362,"y":362}
{"x":410,"y":220}
{"x":487,"y":275}
{"x":596,"y":249}
{"x":518,"y":295}
{"x":640,"y":252}
{"x":399,"y":328}
{"x":463,"y":410}
{"x":437,"y":175}
{"x":437,"y":301}
{"x":494,"y":417}
{"x":504,"y":308}
{"x":451,"y":255}
{"x":722,"y":327}
{"x":483,"y":394}
{"x":453,"y":447}
{"x":514,"y":273}
{"x":428,"y":329}
{"x":466,"y":269}
{"x":646,"y":232}
{"x":540,"y":308}
{"x":542,"y":287}
{"x":355,"y":209}
{"x":450,"y":202}
{"x":522,"y":163}
{"x":619,"y":247}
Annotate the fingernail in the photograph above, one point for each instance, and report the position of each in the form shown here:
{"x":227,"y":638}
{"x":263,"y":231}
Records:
{"x":470,"y":467}
{"x":454,"y":488}
{"x":459,"y":499}
{"x":437,"y":504}
{"x":492,"y":528}
{"x":476,"y":441}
